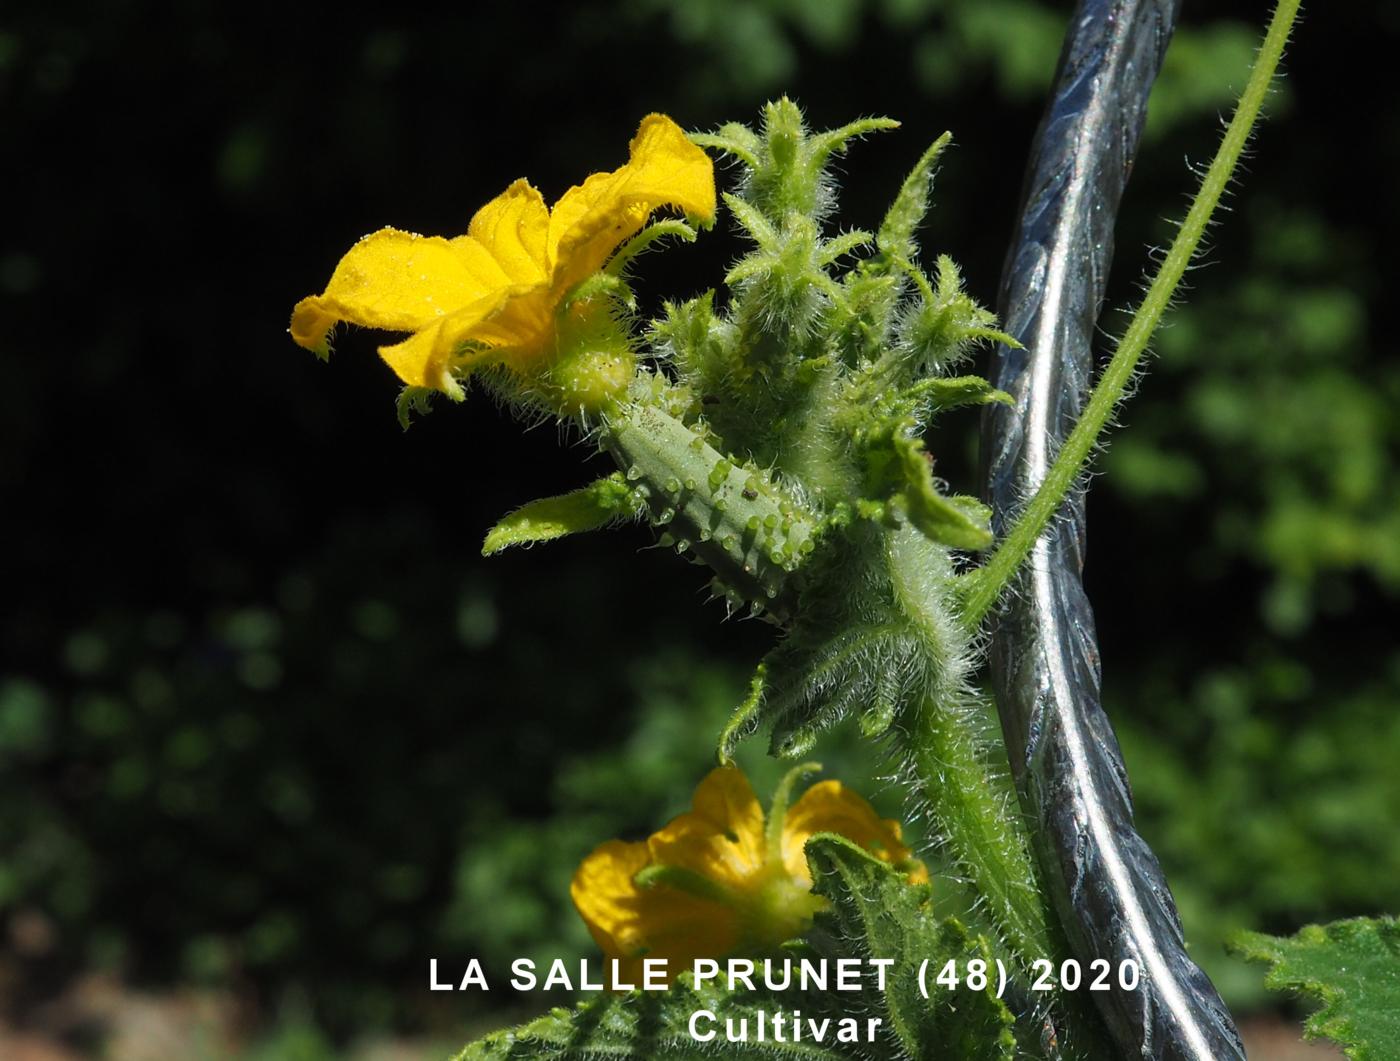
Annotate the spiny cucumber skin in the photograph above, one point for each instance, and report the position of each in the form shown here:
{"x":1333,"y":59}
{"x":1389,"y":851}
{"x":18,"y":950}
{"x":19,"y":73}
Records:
{"x":750,"y":531}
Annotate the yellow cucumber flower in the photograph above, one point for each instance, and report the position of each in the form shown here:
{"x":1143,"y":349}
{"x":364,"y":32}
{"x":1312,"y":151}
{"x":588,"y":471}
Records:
{"x":497,"y":289}
{"x":721,"y":879}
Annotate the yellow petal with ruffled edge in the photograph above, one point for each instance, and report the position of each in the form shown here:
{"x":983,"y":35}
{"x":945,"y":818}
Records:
{"x":722,"y":836}
{"x":398,"y":281}
{"x":501,"y":285}
{"x":426,"y":358}
{"x":831,"y":807}
{"x":591,"y":220}
{"x":631,"y":923}
{"x":514,"y":229}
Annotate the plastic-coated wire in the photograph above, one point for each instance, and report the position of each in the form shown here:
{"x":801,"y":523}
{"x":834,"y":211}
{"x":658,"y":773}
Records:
{"x":1106,"y":882}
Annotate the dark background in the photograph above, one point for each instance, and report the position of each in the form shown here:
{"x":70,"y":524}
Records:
{"x":272,"y":733}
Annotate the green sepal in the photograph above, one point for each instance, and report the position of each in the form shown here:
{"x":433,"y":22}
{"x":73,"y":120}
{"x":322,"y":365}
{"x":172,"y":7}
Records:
{"x":605,"y":283}
{"x":842,"y":245}
{"x":1352,"y":968}
{"x":745,"y":718}
{"x":751,"y":219}
{"x":412,"y":402}
{"x":593,"y":506}
{"x":734,"y":139}
{"x":876,"y":913}
{"x":835,"y":141}
{"x":645,"y":238}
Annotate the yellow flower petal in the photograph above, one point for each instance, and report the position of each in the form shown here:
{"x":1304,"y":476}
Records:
{"x":831,"y":807}
{"x":400,"y":282}
{"x":711,"y":887}
{"x":501,"y":285}
{"x":631,"y":923}
{"x":514,"y":230}
{"x":591,"y":220}
{"x":425,"y":358}
{"x":722,"y":836}
{"x":523,"y":323}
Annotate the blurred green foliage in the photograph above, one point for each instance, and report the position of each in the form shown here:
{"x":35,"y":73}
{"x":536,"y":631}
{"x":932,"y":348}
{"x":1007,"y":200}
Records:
{"x":1270,"y":800}
{"x":208,"y":796}
{"x":1279,"y":429}
{"x":265,"y":717}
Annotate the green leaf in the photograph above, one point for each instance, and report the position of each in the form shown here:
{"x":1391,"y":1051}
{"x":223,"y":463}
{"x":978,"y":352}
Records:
{"x":878,"y":912}
{"x":647,"y":1025}
{"x":813,"y":682}
{"x":943,"y":392}
{"x":1352,"y":968}
{"x":960,"y":522}
{"x":589,"y":508}
{"x":896,"y":238}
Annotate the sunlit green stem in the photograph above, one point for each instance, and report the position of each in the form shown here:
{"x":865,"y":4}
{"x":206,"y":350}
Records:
{"x":950,"y":756}
{"x":976,"y":817}
{"x":975,"y":821}
{"x":984,"y":586}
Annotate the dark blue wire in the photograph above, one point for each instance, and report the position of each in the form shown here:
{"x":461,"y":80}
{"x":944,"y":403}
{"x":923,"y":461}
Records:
{"x":1107,"y":885}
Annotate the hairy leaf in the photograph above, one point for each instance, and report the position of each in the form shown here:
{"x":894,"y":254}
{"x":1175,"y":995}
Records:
{"x":588,"y":508}
{"x":1352,"y":968}
{"x":896,"y":238}
{"x":811,"y":685}
{"x":952,"y":392}
{"x":876,"y":911}
{"x":960,"y":522}
{"x":642,"y":1026}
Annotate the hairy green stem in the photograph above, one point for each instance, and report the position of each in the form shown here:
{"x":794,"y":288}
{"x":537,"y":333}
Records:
{"x":975,"y":820}
{"x":949,"y":752}
{"x":983,"y":586}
